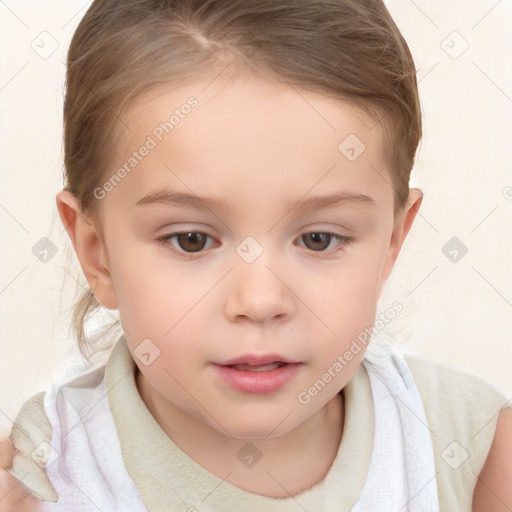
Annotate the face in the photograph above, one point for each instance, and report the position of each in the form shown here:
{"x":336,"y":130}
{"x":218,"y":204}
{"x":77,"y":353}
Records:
{"x":248,"y":234}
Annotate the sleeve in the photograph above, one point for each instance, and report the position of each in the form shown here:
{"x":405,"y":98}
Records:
{"x":462,"y":411}
{"x":31,"y":436}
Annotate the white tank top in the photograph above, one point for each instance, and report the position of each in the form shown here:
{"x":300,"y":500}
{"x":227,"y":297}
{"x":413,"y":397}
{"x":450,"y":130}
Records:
{"x":88,"y":472}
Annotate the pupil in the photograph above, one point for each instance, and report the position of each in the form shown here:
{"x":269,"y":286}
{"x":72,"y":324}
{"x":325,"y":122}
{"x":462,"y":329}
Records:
{"x":319,"y":238}
{"x":188,"y":241}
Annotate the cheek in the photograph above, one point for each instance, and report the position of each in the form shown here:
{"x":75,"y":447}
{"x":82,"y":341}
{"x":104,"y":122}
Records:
{"x":152,"y":293}
{"x":159,"y":297}
{"x":346,"y":297}
{"x":166,"y":307}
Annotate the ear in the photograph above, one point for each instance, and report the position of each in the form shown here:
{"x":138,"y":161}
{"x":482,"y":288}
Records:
{"x":401,"y":228}
{"x":89,"y":248}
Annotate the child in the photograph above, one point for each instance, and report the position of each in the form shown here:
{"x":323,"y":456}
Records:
{"x":278,"y":137}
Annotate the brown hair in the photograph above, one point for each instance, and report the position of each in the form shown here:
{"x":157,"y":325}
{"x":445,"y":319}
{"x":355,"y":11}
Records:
{"x":348,"y":49}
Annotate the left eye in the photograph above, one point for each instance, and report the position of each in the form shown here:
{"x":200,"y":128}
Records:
{"x":320,"y":241}
{"x":190,"y":242}
{"x":187,"y":241}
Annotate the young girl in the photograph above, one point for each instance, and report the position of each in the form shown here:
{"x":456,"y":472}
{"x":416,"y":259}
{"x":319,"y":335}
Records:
{"x":277,"y":138}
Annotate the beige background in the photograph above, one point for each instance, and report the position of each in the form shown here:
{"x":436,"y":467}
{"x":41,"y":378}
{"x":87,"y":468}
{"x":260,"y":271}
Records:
{"x":459,"y":312}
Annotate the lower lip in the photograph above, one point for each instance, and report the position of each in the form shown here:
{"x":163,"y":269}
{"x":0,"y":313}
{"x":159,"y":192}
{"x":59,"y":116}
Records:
{"x":257,"y":382}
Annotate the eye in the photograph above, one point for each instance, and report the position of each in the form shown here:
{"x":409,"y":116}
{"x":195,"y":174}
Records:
{"x":187,"y":242}
{"x":319,"y":241}
{"x":190,"y":242}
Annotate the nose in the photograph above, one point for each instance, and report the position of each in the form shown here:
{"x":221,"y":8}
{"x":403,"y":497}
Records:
{"x":258,"y":293}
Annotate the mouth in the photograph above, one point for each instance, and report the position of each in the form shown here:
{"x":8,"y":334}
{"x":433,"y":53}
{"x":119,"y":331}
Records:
{"x":255,"y":360}
{"x":257,"y":367}
{"x":257,"y":374}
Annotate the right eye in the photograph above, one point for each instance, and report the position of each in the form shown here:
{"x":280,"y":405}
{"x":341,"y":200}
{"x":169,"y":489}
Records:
{"x":187,"y":242}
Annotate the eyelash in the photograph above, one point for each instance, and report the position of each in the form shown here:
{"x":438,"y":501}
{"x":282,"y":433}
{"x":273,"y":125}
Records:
{"x":345,"y":241}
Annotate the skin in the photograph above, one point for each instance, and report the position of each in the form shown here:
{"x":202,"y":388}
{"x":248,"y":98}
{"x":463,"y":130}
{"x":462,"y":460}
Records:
{"x":255,"y":145}
{"x":13,"y":494}
{"x":493,"y":492}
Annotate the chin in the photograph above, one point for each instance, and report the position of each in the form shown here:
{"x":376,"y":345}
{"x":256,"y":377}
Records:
{"x":254,"y":433}
{"x":256,"y":425}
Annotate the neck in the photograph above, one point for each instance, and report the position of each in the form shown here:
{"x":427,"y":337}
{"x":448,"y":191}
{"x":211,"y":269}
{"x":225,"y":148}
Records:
{"x":282,"y":471}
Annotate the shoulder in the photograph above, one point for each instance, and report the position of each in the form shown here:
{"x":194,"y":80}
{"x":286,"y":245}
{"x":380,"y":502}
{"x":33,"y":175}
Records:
{"x":449,"y":393}
{"x":493,"y":489}
{"x":30,"y":441}
{"x":433,"y":377}
{"x":23,"y":481}
{"x":33,"y":443}
{"x":13,"y":494}
{"x":462,"y":410}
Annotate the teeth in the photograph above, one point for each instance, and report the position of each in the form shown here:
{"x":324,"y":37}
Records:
{"x":258,"y":368}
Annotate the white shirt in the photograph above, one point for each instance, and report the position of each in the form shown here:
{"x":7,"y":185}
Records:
{"x":86,"y":467}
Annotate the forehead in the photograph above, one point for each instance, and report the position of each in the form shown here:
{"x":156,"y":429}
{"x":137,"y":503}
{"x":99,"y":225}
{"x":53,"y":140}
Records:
{"x":246,"y":135}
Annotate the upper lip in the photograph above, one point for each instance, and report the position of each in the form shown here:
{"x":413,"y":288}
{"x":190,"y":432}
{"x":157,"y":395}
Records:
{"x":256,"y":359}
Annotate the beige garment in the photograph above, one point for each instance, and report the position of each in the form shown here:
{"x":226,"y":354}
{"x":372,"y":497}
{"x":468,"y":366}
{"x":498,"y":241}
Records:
{"x":461,"y":409}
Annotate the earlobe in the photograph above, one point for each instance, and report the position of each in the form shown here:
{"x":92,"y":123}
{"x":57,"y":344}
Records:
{"x":89,"y":248}
{"x":400,"y":231}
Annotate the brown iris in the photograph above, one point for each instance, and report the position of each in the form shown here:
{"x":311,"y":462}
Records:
{"x":319,"y":241}
{"x":191,"y":242}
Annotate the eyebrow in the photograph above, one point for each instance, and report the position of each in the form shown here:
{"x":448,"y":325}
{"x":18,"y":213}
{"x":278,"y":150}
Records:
{"x":185,"y":199}
{"x":335,"y":199}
